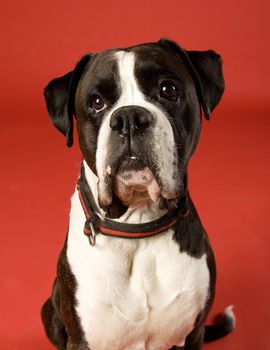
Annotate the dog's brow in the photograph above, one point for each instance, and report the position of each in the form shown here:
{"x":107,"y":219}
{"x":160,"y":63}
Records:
{"x":104,"y":86}
{"x":159,"y":70}
{"x":156,"y":71}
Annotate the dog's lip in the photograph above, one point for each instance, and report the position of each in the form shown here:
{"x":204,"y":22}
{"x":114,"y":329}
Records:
{"x":148,"y":172}
{"x":129,"y":164}
{"x":140,"y":178}
{"x":121,"y":180}
{"x":136,"y":178}
{"x":134,"y":186}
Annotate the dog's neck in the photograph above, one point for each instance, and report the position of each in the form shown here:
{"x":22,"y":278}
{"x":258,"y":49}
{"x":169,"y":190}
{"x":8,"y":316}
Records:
{"x":142,"y":212}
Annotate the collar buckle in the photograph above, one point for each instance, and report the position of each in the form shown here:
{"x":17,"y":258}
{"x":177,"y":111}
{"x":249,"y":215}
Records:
{"x":90,"y":232}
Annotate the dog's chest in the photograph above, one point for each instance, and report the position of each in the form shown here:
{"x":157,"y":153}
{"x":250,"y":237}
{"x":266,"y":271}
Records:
{"x":135,"y":294}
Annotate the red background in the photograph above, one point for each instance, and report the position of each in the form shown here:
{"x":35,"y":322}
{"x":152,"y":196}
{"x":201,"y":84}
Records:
{"x":229,"y":175}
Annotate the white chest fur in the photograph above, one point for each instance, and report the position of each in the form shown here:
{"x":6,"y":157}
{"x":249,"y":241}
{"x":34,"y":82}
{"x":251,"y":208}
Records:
{"x":134,"y":294}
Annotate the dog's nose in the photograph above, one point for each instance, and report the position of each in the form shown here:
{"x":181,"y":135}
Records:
{"x":130,"y":120}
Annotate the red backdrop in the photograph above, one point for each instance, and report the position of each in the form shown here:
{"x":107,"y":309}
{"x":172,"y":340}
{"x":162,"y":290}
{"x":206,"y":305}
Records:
{"x":229,"y":176}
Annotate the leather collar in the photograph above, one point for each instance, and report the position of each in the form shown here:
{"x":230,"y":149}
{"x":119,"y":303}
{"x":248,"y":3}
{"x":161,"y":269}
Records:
{"x":94,"y":224}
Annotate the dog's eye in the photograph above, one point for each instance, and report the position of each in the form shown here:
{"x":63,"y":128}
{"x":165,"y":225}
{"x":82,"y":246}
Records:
{"x":96,"y":103}
{"x":168,"y":90}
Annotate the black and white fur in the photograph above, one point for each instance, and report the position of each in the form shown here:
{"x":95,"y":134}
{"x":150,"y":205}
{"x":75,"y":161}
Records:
{"x":135,"y":294}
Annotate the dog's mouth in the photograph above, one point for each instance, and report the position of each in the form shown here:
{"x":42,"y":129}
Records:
{"x":135,"y":181}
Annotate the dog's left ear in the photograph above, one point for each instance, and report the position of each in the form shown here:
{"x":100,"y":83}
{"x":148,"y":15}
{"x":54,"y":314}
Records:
{"x":205,"y":68}
{"x":60,"y":96}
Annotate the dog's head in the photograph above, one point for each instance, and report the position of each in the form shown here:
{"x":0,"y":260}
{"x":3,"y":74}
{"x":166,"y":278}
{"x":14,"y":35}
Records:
{"x":138,"y":114}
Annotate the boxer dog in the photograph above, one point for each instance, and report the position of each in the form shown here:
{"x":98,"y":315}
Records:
{"x":137,"y":270}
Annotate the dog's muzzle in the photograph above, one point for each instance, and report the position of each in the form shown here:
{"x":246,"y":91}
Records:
{"x":140,"y":162}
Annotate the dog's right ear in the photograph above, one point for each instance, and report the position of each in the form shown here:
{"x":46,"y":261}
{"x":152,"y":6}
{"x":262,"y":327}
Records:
{"x":60,"y":99}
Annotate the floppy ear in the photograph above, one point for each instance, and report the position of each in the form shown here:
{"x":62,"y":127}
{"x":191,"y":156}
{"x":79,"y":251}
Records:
{"x":60,"y":95}
{"x":205,"y":67}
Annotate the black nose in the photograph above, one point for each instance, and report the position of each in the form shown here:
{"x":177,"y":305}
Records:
{"x":130,"y":120}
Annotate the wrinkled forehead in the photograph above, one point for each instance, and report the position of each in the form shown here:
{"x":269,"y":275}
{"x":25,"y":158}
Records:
{"x":152,"y":57}
{"x":102,"y":68}
{"x":143,"y":61}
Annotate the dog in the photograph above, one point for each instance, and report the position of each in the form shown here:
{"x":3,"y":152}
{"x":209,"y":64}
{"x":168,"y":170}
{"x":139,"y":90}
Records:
{"x":137,"y":270}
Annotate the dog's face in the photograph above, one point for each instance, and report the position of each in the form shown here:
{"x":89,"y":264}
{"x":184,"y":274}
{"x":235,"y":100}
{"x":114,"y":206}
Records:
{"x":138,"y":116}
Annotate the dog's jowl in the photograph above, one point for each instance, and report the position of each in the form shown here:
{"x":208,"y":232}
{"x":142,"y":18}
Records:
{"x":137,"y":270}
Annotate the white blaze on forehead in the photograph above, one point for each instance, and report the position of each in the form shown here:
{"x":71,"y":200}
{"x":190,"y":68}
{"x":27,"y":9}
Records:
{"x":163,"y":138}
{"x":130,"y":93}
